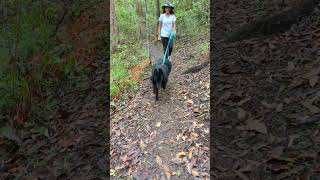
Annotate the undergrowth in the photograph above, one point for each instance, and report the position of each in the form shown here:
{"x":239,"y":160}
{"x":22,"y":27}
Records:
{"x":31,"y":67}
{"x":121,"y":82}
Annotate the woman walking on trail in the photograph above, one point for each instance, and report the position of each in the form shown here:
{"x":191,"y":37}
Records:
{"x":167,"y":23}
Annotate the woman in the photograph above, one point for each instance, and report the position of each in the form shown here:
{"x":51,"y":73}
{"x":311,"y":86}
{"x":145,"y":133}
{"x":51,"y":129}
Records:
{"x":167,"y":23}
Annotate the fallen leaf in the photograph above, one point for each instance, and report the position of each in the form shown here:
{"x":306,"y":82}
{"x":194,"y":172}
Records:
{"x":309,"y":119}
{"x":290,"y":66}
{"x":189,"y":102}
{"x":184,"y":138}
{"x":313,"y":80}
{"x":257,"y":125}
{"x":142,"y":145}
{"x":196,"y":110}
{"x":225,"y":96}
{"x":159,"y":161}
{"x":241,"y":175}
{"x":278,"y":167}
{"x":267,"y":105}
{"x":308,"y":104}
{"x":313,"y":72}
{"x":204,"y":174}
{"x":250,"y":166}
{"x":296,"y":82}
{"x":158,"y":124}
{"x":181,"y":154}
{"x":194,"y":136}
{"x":241,"y":113}
{"x":244,"y":101}
{"x":124,"y":158}
{"x":206,"y":130}
{"x":196,"y":125}
{"x":195,"y":173}
{"x":167,"y":171}
{"x":129,"y":171}
{"x":291,"y":172}
{"x":177,"y":160}
{"x":291,"y":139}
{"x":279,"y":107}
{"x":163,"y":167}
{"x":119,"y":167}
{"x":189,"y":168}
{"x":276,"y":151}
{"x":190,"y":154}
{"x":179,"y":136}
{"x":178,"y":173}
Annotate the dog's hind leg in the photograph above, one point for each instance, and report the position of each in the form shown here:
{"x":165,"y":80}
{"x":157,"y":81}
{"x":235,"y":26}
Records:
{"x":157,"y":94}
{"x":164,"y":84}
{"x":154,"y":88}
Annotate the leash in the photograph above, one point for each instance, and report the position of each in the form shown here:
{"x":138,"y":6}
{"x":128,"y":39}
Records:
{"x":172,"y":34}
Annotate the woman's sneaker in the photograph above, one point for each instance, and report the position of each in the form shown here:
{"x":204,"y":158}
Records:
{"x":170,"y":59}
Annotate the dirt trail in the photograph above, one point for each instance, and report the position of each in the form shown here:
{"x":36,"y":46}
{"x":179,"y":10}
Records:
{"x":147,"y":135}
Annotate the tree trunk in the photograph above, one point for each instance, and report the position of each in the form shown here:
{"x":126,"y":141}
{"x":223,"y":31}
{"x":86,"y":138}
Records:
{"x":158,"y":9}
{"x":158,"y":15}
{"x":141,"y":26}
{"x":114,"y":29}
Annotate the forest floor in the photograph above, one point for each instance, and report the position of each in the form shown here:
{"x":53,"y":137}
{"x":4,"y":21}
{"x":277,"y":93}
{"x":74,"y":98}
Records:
{"x":168,"y":138}
{"x":69,"y":140}
{"x":265,"y":119}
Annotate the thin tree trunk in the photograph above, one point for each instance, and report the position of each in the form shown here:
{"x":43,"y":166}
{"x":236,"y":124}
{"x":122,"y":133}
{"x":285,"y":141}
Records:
{"x":158,"y":9}
{"x":141,"y":26}
{"x":157,"y":20}
{"x":114,"y":29}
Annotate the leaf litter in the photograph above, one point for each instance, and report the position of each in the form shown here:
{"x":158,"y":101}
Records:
{"x":278,"y":110}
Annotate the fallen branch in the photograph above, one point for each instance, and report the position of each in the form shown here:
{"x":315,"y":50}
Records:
{"x":309,"y":120}
{"x":277,"y":23}
{"x":197,"y":68}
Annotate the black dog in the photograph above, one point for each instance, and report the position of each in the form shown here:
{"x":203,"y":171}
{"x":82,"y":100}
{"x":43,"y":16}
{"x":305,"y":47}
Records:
{"x":160,"y":75}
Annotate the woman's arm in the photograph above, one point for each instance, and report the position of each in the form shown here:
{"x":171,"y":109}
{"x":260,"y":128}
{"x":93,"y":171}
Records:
{"x":159,"y":28}
{"x":174,"y":23}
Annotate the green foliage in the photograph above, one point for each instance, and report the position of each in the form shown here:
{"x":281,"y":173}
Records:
{"x":127,"y":20}
{"x":33,"y":33}
{"x":121,"y":62}
{"x":12,"y":87}
{"x":113,"y":172}
{"x":192,"y":19}
{"x":204,"y":48}
{"x":30,"y":30}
